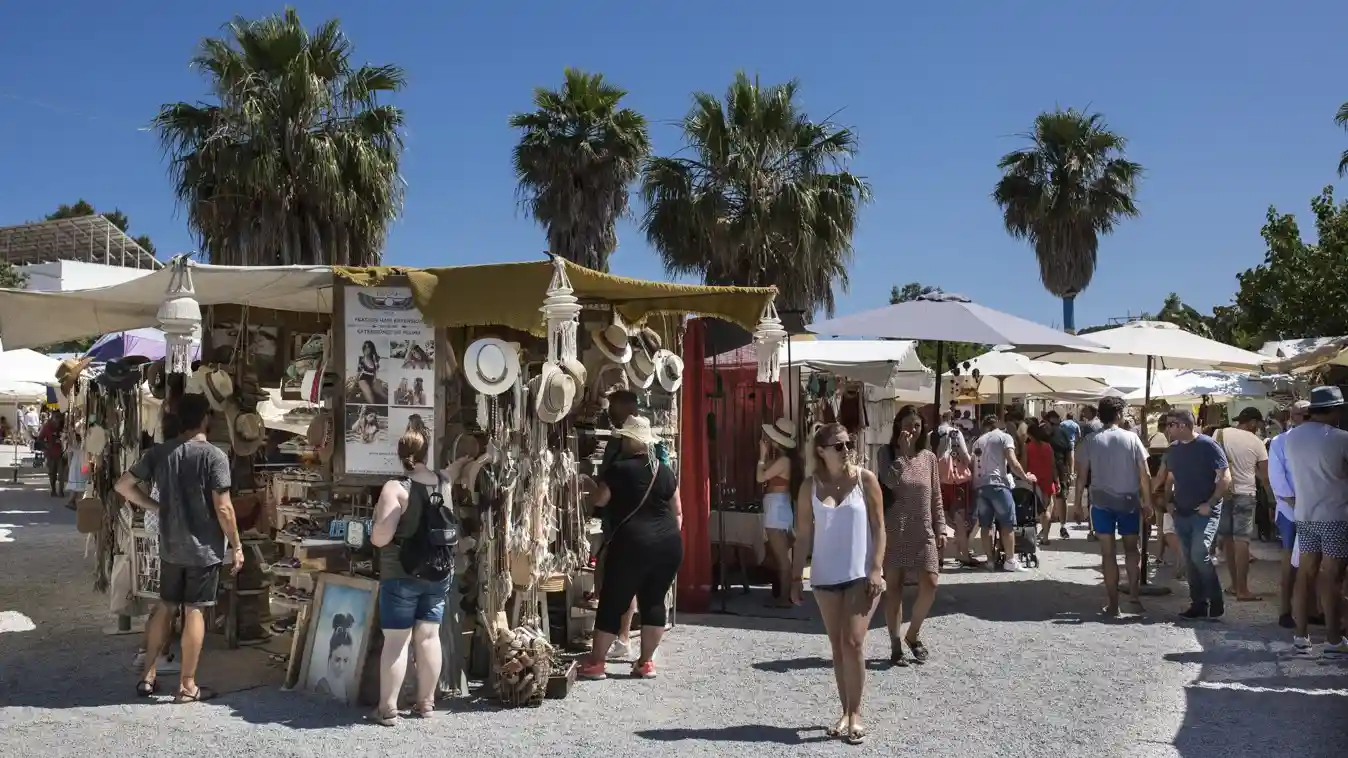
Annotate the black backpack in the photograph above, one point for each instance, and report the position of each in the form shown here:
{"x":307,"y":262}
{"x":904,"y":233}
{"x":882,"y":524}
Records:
{"x":429,"y":553}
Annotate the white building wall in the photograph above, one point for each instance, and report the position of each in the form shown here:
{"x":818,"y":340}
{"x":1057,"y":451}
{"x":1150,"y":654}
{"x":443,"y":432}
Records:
{"x":59,"y":276}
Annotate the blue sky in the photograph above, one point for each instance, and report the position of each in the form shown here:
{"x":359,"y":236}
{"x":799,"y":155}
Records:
{"x":1229,"y":105}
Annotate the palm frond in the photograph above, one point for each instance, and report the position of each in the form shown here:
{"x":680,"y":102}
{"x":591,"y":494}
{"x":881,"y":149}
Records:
{"x":761,"y":195}
{"x":1069,"y":186}
{"x":297,"y":162}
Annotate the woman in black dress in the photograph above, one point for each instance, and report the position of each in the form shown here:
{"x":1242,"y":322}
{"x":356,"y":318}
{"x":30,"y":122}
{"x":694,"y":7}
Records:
{"x":643,"y":549}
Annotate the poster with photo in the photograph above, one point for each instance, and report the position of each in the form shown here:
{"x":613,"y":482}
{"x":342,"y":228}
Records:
{"x":389,"y":376}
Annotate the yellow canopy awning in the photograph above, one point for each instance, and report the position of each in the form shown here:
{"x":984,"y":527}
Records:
{"x":510,"y":294}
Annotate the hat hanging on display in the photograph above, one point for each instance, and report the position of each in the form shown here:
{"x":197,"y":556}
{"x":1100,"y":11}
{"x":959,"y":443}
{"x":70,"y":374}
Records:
{"x":69,"y":370}
{"x":219,"y":389}
{"x":669,"y":370}
{"x":641,"y":369}
{"x":612,"y":342}
{"x":649,"y":338}
{"x":156,"y":379}
{"x":556,"y":394}
{"x":782,"y":431}
{"x":491,"y":365}
{"x":1326,"y":397}
{"x":247,"y":432}
{"x":576,"y":370}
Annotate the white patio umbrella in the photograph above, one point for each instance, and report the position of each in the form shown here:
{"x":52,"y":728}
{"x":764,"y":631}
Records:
{"x":942,"y":318}
{"x":1001,"y":373}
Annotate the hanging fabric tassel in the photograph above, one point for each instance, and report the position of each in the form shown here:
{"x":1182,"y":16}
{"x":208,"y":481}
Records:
{"x":768,"y":337}
{"x":180,"y":318}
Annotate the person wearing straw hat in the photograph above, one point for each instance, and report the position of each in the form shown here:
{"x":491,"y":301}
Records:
{"x":777,"y":469}
{"x":645,"y":546}
{"x":1317,"y":454}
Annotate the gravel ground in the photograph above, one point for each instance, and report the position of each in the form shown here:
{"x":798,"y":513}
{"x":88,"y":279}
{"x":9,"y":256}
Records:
{"x":1021,"y":666}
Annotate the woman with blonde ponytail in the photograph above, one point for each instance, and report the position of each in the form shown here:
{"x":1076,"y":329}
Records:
{"x":410,"y":609}
{"x":840,"y":512}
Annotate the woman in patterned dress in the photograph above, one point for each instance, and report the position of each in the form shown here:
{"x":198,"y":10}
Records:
{"x":914,"y":530}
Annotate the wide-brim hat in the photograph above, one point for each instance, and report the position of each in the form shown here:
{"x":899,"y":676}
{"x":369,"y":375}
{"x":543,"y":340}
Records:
{"x":669,"y":371}
{"x":1326,"y":397}
{"x":637,"y":428}
{"x":576,"y":370}
{"x":640,"y":374}
{"x":70,"y":369}
{"x":612,"y":342}
{"x":556,"y":394}
{"x":491,"y":365}
{"x":247,"y":431}
{"x":782,"y":431}
{"x":156,"y":378}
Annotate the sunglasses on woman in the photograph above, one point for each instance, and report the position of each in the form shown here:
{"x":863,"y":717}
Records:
{"x":843,"y":446}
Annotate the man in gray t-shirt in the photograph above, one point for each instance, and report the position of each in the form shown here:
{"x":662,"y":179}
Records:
{"x":1114,"y":461}
{"x":196,"y":516}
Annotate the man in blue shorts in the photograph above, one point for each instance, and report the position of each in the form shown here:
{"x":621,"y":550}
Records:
{"x":1280,"y":479}
{"x":1115,"y":462}
{"x":1196,"y":466}
{"x":995,"y":460}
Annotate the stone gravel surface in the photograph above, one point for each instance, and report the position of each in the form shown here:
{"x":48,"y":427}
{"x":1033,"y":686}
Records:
{"x":1021,"y":666}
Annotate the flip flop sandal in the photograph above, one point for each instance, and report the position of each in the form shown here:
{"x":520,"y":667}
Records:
{"x":423,"y":710}
{"x":855,"y":735}
{"x":383,"y":719}
{"x":202,"y":695}
{"x":896,"y":654}
{"x":920,"y":653}
{"x":146,"y":689}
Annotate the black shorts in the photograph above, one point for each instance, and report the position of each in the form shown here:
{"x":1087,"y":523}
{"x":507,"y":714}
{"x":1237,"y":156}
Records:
{"x":189,"y":585}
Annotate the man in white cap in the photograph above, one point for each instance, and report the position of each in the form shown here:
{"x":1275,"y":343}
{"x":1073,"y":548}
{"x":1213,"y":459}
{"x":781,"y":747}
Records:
{"x":1317,"y":455}
{"x":1280,"y":479}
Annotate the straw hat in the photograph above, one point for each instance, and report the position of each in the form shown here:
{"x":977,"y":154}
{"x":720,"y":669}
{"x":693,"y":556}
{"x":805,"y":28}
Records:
{"x":612,"y":342}
{"x":219,"y":389}
{"x":70,"y":369}
{"x":247,"y":432}
{"x":641,"y":369}
{"x":576,"y":370}
{"x":782,"y":431}
{"x":637,"y":428}
{"x":491,"y":365}
{"x":556,"y":393}
{"x":156,"y":379}
{"x":669,"y":370}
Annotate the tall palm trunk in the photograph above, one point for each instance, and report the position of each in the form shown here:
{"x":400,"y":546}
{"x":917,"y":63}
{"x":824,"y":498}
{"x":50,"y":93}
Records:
{"x":1069,"y":314}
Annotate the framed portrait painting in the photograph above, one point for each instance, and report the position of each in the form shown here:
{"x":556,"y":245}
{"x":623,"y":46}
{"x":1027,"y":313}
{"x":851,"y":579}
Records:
{"x":341,"y":621}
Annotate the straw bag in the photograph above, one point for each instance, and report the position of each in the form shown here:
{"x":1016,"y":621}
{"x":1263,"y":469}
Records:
{"x":89,"y":513}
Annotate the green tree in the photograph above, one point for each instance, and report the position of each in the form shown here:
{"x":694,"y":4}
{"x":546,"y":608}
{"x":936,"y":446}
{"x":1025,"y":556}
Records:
{"x":926,"y":350}
{"x":296,"y":161}
{"x":578,"y":154}
{"x":1070,"y":186}
{"x":1175,"y":311}
{"x":83,"y":208}
{"x":1341,"y":118}
{"x":12,"y":277}
{"x":764,"y":196}
{"x":1299,"y":290}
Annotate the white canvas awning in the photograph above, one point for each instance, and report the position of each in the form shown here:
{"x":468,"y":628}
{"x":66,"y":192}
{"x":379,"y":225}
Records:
{"x":1167,"y":345}
{"x":26,"y":374}
{"x":1014,"y":374}
{"x":30,"y":319}
{"x":883,"y":363}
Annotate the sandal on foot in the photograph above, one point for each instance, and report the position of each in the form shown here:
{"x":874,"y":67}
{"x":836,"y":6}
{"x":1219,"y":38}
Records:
{"x":1063,"y":533}
{"x":146,"y":687}
{"x":423,"y":710}
{"x":855,"y":735}
{"x":383,"y":719}
{"x":896,"y":654}
{"x":837,"y":730}
{"x":920,"y":653}
{"x":200,"y":696}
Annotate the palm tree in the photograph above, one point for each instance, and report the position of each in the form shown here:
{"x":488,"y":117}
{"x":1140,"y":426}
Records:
{"x":763,"y":196}
{"x":1071,"y":185}
{"x":1177,"y":312}
{"x":1341,"y":118}
{"x":297,"y":160}
{"x":578,"y":153}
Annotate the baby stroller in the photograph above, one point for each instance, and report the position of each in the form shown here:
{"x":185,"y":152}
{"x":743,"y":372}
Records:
{"x":1030,"y":507}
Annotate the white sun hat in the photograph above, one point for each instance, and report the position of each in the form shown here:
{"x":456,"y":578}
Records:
{"x":491,"y":365}
{"x":638,"y":428}
{"x":782,"y":431}
{"x":669,"y":370}
{"x":556,"y":393}
{"x":612,"y":342}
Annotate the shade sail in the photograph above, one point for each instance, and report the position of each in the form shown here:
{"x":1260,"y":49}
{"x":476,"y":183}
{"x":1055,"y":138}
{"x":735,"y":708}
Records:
{"x":883,"y":363}
{"x":509,"y":294}
{"x":1014,"y":374}
{"x":1169,"y":346}
{"x":29,"y":319}
{"x":1327,"y":352}
{"x":1191,"y":386}
{"x":950,"y":318}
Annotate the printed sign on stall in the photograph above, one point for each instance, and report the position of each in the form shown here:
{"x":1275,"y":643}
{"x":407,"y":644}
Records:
{"x":389,"y":377}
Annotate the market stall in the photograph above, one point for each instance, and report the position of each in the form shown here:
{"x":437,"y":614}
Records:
{"x":318,"y":371}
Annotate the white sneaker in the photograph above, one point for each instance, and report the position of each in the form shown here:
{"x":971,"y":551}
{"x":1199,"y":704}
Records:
{"x":1013,"y":565}
{"x":620,"y":651}
{"x":1336,"y":649}
{"x":1301,"y":644}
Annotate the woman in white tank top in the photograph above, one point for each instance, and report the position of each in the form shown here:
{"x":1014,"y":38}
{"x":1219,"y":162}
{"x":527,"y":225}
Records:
{"x":840,"y":513}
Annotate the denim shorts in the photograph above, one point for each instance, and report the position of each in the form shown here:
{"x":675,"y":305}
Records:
{"x":1237,"y":517}
{"x":404,"y":602}
{"x":995,"y":503}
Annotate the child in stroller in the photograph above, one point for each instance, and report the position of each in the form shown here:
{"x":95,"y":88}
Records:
{"x":1030,"y":505}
